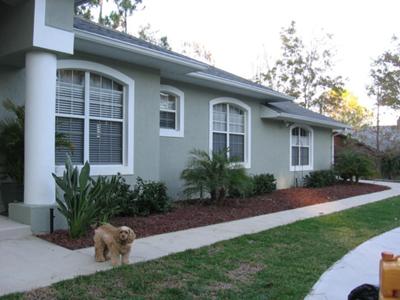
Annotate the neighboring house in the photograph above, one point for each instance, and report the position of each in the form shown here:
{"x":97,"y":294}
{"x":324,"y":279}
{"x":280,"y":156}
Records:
{"x":137,"y":109}
{"x":345,"y":142}
{"x":389,"y":136}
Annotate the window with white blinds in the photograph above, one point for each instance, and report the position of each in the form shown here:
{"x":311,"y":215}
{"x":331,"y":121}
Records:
{"x":229,"y":130}
{"x":90,"y":114}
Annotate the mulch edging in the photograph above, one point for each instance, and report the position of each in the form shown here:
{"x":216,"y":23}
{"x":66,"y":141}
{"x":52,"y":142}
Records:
{"x":191,"y":214}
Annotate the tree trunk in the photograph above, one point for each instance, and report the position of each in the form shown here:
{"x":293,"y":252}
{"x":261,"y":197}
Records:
{"x":378,"y":126}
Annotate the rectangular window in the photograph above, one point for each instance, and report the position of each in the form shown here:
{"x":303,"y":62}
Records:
{"x":304,"y":156}
{"x":105,"y":142}
{"x":295,"y":156}
{"x":236,"y":148}
{"x":72,"y":131}
{"x":219,"y":142}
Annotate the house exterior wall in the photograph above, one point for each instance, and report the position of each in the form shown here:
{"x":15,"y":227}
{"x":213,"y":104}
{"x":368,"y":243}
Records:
{"x":163,"y":158}
{"x":16,"y":27}
{"x":58,"y":14}
{"x":270,"y":141}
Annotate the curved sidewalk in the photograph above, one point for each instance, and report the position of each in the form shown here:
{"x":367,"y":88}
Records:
{"x":359,"y":266}
{"x":31,"y":262}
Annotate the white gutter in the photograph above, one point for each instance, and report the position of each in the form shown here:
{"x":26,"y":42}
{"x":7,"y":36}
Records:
{"x":115,"y":43}
{"x":233,"y":83}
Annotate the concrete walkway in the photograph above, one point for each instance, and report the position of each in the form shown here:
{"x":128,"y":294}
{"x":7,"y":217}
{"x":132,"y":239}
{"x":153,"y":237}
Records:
{"x":31,"y":262}
{"x":357,"y":267}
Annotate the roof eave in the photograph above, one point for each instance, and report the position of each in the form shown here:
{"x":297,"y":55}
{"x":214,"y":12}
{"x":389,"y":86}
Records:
{"x":108,"y":41}
{"x":268,"y":113}
{"x":312,"y":121}
{"x":272,"y":95}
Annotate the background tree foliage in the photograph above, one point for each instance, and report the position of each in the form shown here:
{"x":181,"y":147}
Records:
{"x":304,"y":73}
{"x":117,"y":18}
{"x":385,"y":82}
{"x":344,"y":106}
{"x":148,"y":34}
{"x":198,"y":51}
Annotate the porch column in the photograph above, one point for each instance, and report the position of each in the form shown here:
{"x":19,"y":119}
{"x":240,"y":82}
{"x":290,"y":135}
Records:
{"x":41,"y":68}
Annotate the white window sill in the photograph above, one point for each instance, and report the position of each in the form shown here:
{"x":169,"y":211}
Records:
{"x":104,"y":170}
{"x":301,"y":168}
{"x":171,"y":133}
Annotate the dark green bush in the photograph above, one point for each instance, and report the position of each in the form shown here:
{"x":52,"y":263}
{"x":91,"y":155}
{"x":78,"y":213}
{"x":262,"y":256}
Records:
{"x":254,"y":185}
{"x":149,"y":197}
{"x":118,"y":199}
{"x":114,"y":195}
{"x":320,"y":178}
{"x":242,"y":190}
{"x":390,"y":165}
{"x":352,"y":166}
{"x":264,"y":183}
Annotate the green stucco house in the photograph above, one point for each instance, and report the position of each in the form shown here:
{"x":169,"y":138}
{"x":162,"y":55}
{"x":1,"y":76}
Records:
{"x":132,"y":107}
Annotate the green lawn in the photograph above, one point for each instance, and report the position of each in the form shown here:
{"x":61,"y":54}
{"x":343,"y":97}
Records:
{"x":282,"y":263}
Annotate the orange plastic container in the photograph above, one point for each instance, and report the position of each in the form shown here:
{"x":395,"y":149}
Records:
{"x":389,"y":277}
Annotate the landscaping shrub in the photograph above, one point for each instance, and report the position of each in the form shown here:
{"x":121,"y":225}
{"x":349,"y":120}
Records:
{"x":254,"y":185}
{"x":245,"y":189}
{"x":12,"y":142}
{"x":213,"y":175}
{"x":149,"y":197}
{"x":77,"y":203}
{"x":390,"y":165}
{"x":114,"y":195}
{"x":263,"y":183}
{"x":352,"y":165}
{"x":321,"y":178}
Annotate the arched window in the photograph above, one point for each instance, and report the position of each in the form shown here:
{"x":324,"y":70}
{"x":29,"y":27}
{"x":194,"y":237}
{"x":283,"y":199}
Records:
{"x":230,"y":128}
{"x":94,"y":113}
{"x":172,"y":111}
{"x":301,"y":148}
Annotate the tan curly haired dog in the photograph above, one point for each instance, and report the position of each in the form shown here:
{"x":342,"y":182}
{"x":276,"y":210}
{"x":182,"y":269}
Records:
{"x":113,"y":242}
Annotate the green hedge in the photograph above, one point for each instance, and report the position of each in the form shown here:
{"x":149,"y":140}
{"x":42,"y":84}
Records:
{"x":321,"y":178}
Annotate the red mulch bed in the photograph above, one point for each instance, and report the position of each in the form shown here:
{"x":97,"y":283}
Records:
{"x":190,"y":214}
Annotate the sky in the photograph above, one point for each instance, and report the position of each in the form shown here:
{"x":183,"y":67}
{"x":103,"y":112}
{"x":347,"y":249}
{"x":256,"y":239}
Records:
{"x":240,"y":33}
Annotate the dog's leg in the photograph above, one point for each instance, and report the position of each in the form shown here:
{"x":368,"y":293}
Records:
{"x":99,"y":247}
{"x":125,"y":255}
{"x":107,"y":255}
{"x":115,"y":256}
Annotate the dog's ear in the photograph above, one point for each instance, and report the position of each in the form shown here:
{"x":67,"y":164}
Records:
{"x":131,"y":236}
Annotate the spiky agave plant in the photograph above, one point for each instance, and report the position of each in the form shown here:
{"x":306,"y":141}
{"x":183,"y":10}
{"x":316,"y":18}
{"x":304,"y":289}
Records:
{"x":76,"y":198}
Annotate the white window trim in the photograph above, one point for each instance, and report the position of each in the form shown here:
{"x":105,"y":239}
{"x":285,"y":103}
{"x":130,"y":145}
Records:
{"x":310,"y":166}
{"x":180,"y":113}
{"x":247,"y":140}
{"x":127,"y":167}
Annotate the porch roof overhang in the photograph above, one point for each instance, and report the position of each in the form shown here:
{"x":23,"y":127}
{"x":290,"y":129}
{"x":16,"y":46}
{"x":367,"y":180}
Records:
{"x":317,"y":120}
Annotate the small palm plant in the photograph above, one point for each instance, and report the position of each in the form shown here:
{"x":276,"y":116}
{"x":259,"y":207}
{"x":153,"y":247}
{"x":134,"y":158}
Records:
{"x":214,"y":175}
{"x":12,"y":142}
